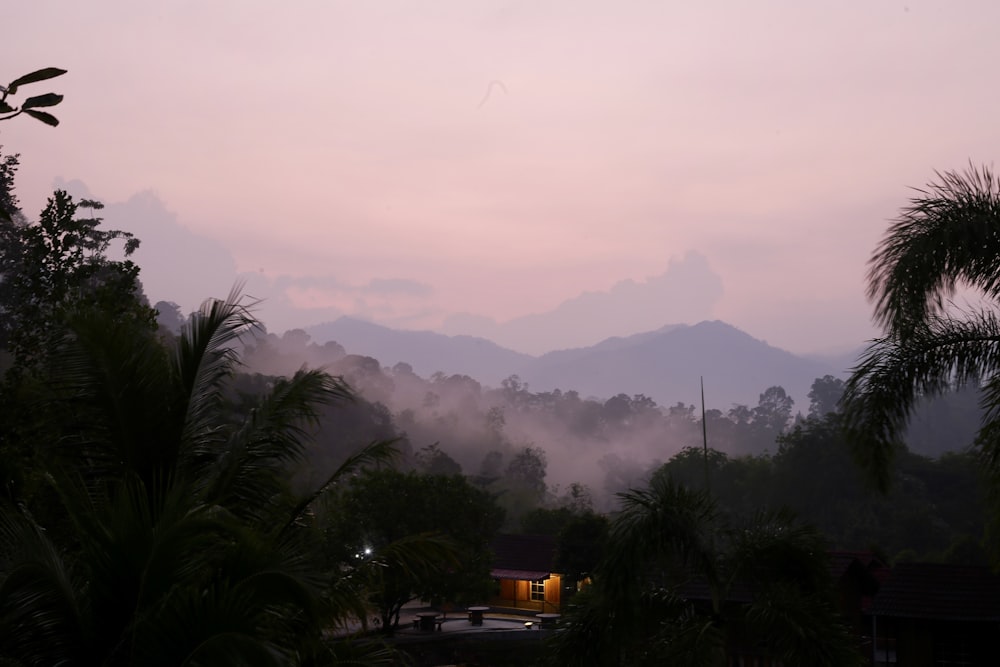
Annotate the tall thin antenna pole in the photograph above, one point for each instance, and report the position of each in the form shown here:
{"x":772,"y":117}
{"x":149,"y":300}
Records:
{"x":704,"y":434}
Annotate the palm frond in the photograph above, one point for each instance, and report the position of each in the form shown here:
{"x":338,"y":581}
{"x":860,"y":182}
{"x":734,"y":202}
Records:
{"x":687,"y":637}
{"x":205,"y":358}
{"x":107,"y":383}
{"x":666,"y":524}
{"x":41,"y":619}
{"x":275,"y":571}
{"x":250,"y":470}
{"x":801,"y":628}
{"x":345,"y":652}
{"x":949,"y":233}
{"x":375,"y":453}
{"x":235,"y":648}
{"x":895,"y":372}
{"x":208,"y":626}
{"x":589,"y":635}
{"x":345,"y":599}
{"x":773,"y":547}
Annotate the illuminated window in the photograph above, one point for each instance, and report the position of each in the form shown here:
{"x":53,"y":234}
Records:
{"x":538,"y":590}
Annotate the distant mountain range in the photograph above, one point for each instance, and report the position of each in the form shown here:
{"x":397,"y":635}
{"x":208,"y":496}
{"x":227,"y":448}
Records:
{"x":427,"y":352}
{"x":666,"y":364}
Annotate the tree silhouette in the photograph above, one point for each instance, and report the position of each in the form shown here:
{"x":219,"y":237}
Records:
{"x":946,"y":238}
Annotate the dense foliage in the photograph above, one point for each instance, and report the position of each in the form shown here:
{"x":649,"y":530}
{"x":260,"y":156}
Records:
{"x":680,"y":584}
{"x":935,"y":509}
{"x":382,"y":508}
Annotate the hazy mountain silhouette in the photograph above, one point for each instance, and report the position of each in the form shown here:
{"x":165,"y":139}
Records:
{"x":427,"y":352}
{"x":665,"y":364}
{"x":688,"y":290}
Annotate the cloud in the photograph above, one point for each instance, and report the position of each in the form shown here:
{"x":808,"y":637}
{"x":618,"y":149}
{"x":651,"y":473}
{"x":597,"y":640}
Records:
{"x":400,"y":286}
{"x":288,"y":302}
{"x":687,"y":292}
{"x":176,"y":263}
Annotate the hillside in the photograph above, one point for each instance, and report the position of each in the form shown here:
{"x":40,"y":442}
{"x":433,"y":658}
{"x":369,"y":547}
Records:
{"x":665,"y":364}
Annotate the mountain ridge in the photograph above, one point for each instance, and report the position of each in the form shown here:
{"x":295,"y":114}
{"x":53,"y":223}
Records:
{"x":666,"y":364}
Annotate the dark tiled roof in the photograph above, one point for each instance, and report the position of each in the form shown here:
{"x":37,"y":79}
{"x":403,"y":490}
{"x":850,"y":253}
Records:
{"x":535,"y":553}
{"x":942,"y":592}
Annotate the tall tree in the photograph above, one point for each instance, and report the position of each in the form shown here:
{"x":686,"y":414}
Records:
{"x":526,"y":470}
{"x":58,"y":265}
{"x":51,"y":271}
{"x":946,"y":238}
{"x":825,"y":395}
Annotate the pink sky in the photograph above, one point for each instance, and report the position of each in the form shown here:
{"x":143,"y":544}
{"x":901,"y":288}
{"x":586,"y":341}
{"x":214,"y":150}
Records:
{"x":341,"y":151}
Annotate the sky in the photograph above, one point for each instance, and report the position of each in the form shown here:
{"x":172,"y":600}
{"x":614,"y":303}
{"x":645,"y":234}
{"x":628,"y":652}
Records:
{"x":465,"y":166}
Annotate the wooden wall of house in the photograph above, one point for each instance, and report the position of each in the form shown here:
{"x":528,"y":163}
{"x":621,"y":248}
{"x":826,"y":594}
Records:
{"x":508,"y":589}
{"x":517,"y":592}
{"x":553,"y":591}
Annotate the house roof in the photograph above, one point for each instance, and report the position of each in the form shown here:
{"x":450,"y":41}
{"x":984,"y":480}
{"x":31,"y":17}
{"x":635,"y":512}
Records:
{"x":530,"y":575}
{"x":941,"y":592}
{"x":531,"y":555}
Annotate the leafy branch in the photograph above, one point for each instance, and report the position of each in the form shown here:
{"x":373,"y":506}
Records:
{"x":32,"y":105}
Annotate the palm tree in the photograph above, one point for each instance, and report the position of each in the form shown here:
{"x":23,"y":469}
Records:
{"x":680,"y":586}
{"x":946,"y":238}
{"x":175,"y":538}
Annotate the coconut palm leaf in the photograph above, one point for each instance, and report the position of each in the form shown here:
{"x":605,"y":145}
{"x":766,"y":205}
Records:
{"x":249,"y":470}
{"x":801,"y":628}
{"x":136,"y":548}
{"x":773,"y":548}
{"x":108,"y":385}
{"x":41,"y":620}
{"x":949,"y":234}
{"x":784,"y":564}
{"x":209,"y":626}
{"x":686,"y":636}
{"x":367,"y":652}
{"x":205,"y":358}
{"x":896,"y":372}
{"x":375,"y":453}
{"x":666,"y":527}
{"x":589,"y":635}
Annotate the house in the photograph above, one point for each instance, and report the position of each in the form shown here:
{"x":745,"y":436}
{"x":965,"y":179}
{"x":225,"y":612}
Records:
{"x":523,"y":568}
{"x":932,"y":614}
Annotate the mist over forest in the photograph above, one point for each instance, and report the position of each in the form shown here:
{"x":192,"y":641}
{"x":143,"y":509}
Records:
{"x":506,"y":433}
